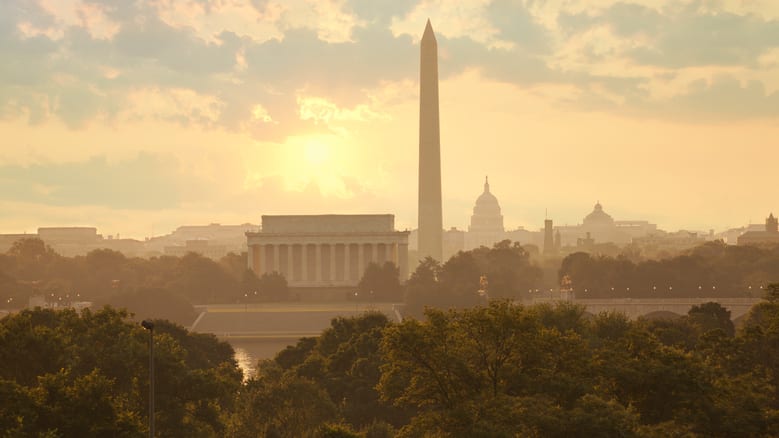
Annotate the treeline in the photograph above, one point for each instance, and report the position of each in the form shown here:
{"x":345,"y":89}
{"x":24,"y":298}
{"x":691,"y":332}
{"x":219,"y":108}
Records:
{"x":507,"y":270}
{"x":498,"y":370}
{"x":711,"y":270}
{"x":471,"y":277}
{"x":31,"y":268}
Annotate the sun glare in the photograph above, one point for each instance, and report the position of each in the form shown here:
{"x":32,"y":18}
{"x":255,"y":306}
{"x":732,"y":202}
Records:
{"x":317,"y":153}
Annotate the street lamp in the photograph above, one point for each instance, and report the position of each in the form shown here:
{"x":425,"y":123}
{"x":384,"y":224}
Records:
{"x":148,"y":325}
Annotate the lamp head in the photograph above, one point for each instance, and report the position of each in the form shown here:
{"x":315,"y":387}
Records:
{"x":147,"y":324}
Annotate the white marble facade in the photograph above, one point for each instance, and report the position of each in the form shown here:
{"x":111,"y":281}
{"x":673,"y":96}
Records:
{"x":326,"y":250}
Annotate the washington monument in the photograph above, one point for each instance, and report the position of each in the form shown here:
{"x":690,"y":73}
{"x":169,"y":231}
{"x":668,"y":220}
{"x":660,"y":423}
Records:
{"x":430,"y":222}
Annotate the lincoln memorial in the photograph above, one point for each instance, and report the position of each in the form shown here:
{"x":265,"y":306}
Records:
{"x":326,"y":250}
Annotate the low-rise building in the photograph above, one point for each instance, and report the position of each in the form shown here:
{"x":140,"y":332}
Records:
{"x":768,"y":236}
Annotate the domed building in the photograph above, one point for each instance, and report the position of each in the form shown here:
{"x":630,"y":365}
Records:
{"x":598,"y":217}
{"x":486,"y":213}
{"x":599,"y":227}
{"x":486,"y":226}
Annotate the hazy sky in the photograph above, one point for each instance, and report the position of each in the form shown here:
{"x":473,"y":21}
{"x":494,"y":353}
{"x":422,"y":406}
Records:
{"x":138,"y":116}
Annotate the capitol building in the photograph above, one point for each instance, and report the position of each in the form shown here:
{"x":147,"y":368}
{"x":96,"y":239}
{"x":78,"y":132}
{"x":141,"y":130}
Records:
{"x":487,"y":228}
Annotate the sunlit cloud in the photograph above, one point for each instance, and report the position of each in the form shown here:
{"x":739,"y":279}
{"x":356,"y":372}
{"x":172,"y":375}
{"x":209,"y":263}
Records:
{"x":460,"y":19}
{"x":210,"y":19}
{"x":176,"y":105}
{"x":321,"y":110}
{"x":75,"y":13}
{"x":261,"y":114}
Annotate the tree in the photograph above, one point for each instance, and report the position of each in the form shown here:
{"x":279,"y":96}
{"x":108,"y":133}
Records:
{"x":711,"y":316}
{"x":273,"y":286}
{"x":273,"y":404}
{"x":380,"y":283}
{"x":459,"y":281}
{"x":422,"y":288}
{"x":153,"y":303}
{"x":508,"y":269}
{"x":468,"y":371}
{"x":202,"y":280}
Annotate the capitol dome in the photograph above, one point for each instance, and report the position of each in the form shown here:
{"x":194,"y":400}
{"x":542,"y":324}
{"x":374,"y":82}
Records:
{"x":486,"y":213}
{"x":598,"y":217}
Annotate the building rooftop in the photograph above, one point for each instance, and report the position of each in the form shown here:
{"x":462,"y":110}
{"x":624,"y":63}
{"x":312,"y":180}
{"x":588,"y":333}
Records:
{"x":332,"y":223}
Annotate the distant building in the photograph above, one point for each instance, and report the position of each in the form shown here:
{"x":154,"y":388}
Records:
{"x":486,"y":221}
{"x":586,"y":243}
{"x":202,"y":247}
{"x":661,"y":243}
{"x":326,"y":250}
{"x":603,"y":228}
{"x":770,"y":235}
{"x":453,"y":241}
{"x":730,"y":236}
{"x":549,"y":243}
{"x":75,"y":241}
{"x":231,"y":237}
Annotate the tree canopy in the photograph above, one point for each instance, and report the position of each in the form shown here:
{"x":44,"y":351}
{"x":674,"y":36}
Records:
{"x":86,"y":374}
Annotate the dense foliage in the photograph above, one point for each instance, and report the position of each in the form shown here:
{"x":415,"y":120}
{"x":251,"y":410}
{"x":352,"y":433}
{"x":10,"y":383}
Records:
{"x":510,"y":370}
{"x":330,"y":379}
{"x":30,"y":268}
{"x":710,"y":270}
{"x":380,"y":283}
{"x":504,"y":271}
{"x":64,"y":374}
{"x":500,"y":369}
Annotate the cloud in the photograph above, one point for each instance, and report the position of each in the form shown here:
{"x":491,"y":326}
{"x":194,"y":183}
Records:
{"x":87,"y":61}
{"x":723,"y":98}
{"x":515,"y":23}
{"x":145,"y":182}
{"x":682,"y":35}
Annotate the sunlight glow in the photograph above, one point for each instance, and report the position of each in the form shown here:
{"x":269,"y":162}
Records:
{"x":317,"y":152}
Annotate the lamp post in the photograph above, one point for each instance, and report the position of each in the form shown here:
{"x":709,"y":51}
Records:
{"x":148,"y":325}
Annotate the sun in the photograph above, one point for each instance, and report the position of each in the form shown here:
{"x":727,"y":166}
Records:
{"x":316,"y":153}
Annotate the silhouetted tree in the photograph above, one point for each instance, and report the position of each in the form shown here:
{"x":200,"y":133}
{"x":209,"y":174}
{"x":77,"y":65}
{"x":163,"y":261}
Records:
{"x":273,"y":286}
{"x":380,"y":283}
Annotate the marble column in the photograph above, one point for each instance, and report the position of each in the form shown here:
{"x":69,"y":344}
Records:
{"x":332,"y":263}
{"x":250,"y":259}
{"x":360,"y":261}
{"x":347,"y":263}
{"x":276,"y":264}
{"x":318,"y":262}
{"x":257,"y":259}
{"x":304,"y":262}
{"x":388,"y":253}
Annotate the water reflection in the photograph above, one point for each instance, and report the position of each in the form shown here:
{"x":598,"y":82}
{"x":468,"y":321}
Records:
{"x":249,"y":351}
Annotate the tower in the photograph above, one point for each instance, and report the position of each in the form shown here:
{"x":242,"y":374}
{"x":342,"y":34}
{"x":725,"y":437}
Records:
{"x":430,"y":215}
{"x":549,"y":246}
{"x":772,"y":224}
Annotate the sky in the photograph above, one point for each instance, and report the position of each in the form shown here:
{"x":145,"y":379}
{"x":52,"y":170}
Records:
{"x":140,"y":116}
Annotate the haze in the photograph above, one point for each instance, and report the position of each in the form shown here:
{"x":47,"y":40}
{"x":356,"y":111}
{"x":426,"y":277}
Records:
{"x":137,"y":117}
